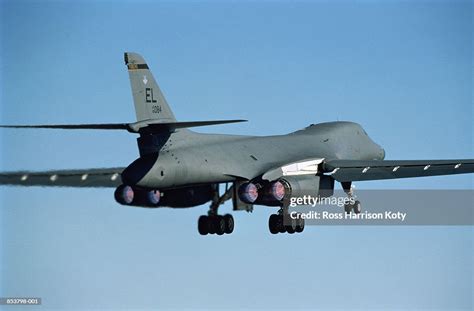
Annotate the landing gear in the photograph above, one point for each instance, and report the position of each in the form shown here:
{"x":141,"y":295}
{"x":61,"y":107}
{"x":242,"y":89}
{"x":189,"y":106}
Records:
{"x":229,"y":223}
{"x":216,"y":224}
{"x":290,"y":228}
{"x":348,"y":208}
{"x":213,"y":223}
{"x":219,"y":224}
{"x":357,"y":207}
{"x":299,"y":225}
{"x":353,"y":205}
{"x":276,"y":223}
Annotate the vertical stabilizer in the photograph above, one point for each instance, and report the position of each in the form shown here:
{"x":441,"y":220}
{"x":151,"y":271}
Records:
{"x":147,"y":97}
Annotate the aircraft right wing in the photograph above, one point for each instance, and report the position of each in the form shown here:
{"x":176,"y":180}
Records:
{"x":354,"y":170}
{"x":83,"y":178}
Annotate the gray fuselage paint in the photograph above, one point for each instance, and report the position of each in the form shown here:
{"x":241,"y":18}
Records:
{"x":193,"y":158}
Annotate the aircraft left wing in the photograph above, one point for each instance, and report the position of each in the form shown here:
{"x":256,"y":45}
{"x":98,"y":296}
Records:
{"x":152,"y":126}
{"x":84,"y":178}
{"x":354,"y":170}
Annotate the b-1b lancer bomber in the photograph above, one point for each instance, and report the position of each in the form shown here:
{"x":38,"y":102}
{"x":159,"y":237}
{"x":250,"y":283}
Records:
{"x":180,"y":168}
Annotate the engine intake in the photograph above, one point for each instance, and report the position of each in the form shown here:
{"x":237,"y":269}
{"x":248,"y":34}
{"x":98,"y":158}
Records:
{"x":248,"y":192}
{"x":295,"y":186}
{"x":127,"y":195}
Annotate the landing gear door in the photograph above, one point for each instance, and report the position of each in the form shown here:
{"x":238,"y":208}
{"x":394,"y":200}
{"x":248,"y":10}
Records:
{"x":239,"y":205}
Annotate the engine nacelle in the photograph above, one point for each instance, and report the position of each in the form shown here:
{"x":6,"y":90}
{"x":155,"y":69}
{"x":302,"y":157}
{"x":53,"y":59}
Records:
{"x":126,"y":195}
{"x":286,"y":187}
{"x":310,"y":185}
{"x":188,"y":196}
{"x":181,"y":197}
{"x":272,"y":194}
{"x":299,"y":186}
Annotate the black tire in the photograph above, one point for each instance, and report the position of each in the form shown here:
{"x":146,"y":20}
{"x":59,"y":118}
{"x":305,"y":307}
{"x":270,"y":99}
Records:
{"x":299,"y":225}
{"x":273,"y":224}
{"x":291,"y":228}
{"x":280,"y":225}
{"x":229,"y":223}
{"x":211,"y":224}
{"x":357,"y":207}
{"x":348,"y":208}
{"x":203,"y":225}
{"x":219,"y":224}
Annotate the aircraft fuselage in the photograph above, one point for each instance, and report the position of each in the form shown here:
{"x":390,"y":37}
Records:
{"x":192,"y":158}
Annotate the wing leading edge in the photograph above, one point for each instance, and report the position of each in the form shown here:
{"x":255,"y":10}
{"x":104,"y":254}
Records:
{"x":340,"y":170}
{"x":355,"y":170}
{"x":137,"y":127}
{"x":85,"y":178}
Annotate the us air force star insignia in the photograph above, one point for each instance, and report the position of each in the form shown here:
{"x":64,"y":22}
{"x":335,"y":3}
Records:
{"x":145,"y":81}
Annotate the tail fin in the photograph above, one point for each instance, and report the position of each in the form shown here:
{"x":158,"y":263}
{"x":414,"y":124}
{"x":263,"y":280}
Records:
{"x":147,"y":97}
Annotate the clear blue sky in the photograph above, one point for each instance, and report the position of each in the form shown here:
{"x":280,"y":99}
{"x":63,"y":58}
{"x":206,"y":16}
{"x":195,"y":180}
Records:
{"x":401,"y":69}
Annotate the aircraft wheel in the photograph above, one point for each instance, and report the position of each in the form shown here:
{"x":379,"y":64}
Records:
{"x":203,"y":225}
{"x":219,"y":224}
{"x":348,"y":208}
{"x":273,"y":224}
{"x":280,"y":225}
{"x":357,"y":207}
{"x":290,"y":228}
{"x":211,"y":224}
{"x":229,"y":223}
{"x":299,"y":225}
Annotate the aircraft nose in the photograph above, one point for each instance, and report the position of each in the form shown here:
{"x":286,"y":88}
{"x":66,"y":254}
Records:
{"x":136,"y":171}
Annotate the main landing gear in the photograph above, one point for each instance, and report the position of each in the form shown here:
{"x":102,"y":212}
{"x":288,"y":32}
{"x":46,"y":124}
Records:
{"x":282,"y":222}
{"x":213,"y":223}
{"x":352,"y":205}
{"x":216,"y":224}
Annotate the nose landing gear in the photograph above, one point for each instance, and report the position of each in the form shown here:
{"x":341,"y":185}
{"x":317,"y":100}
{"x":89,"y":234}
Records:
{"x":354,"y":205}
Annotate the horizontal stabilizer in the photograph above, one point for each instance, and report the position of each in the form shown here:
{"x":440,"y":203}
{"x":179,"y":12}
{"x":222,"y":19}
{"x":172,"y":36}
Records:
{"x":158,"y":126}
{"x":137,"y":127}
